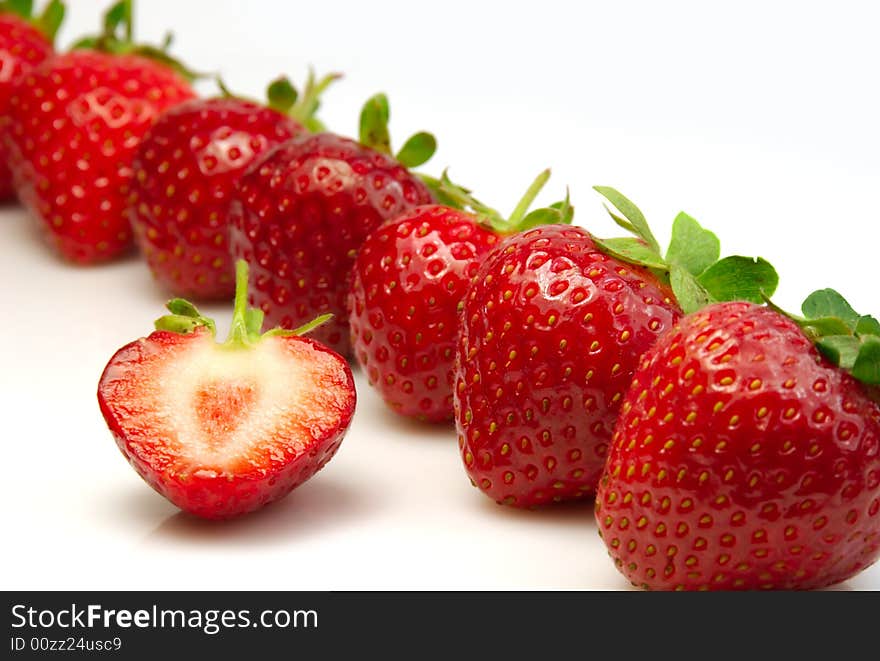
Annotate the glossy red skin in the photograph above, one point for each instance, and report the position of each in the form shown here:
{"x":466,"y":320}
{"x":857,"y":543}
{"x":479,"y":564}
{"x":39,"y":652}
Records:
{"x":186,"y":168}
{"x":408,"y":281}
{"x":22,"y":47}
{"x":258,"y":480}
{"x":786,"y":496}
{"x":535,"y":398}
{"x":75,"y":122}
{"x":299,"y":218}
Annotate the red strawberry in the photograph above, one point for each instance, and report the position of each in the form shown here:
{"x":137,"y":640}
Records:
{"x":223,"y":429}
{"x":24,"y":44}
{"x":75,"y":122}
{"x":303,"y":211}
{"x":186,"y":168}
{"x":552,"y":329}
{"x":408,"y":281}
{"x":743,"y":459}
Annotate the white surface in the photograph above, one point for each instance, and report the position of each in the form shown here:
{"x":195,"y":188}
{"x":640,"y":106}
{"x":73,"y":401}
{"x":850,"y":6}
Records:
{"x":760,"y":120}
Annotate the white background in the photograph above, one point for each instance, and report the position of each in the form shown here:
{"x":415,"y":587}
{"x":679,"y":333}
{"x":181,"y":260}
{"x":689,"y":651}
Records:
{"x":758,"y":118}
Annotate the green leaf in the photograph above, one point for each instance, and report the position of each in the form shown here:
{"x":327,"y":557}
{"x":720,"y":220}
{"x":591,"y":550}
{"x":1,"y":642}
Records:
{"x":51,"y":19}
{"x":446,"y":192}
{"x":633,"y":251}
{"x":631,"y":213}
{"x":451,"y":194}
{"x":183,"y":307}
{"x":302,"y":330}
{"x":304,"y":108}
{"x":695,"y":248}
{"x":740,"y":279}
{"x":85,"y":42}
{"x":538,"y":217}
{"x":182,"y":310}
{"x":177,"y":323}
{"x":839,"y":349}
{"x":225,"y":92}
{"x":417,"y":150}
{"x":118,"y":14}
{"x":825,"y":326}
{"x":866,"y":367}
{"x":828,"y":303}
{"x":620,"y":220}
{"x":566,"y":211}
{"x":315,"y":125}
{"x":167,"y":42}
{"x":867,"y":325}
{"x":281,"y":94}
{"x":518,"y":215}
{"x":689,"y":292}
{"x":374,"y":124}
{"x":23,"y":8}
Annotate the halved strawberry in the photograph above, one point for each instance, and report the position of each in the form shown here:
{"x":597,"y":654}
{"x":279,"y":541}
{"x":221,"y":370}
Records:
{"x":223,"y":429}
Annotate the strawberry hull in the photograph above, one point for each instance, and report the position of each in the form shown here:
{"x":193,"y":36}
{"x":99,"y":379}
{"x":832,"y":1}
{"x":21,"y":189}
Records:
{"x":223,"y":432}
{"x":742,"y":459}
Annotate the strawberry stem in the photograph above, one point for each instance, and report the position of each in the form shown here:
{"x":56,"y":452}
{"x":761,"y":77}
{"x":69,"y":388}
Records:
{"x":242,"y":332}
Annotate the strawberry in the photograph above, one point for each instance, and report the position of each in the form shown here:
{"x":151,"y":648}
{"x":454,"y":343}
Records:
{"x":744,"y":456}
{"x":408,"y":280}
{"x":24,"y":43}
{"x":302,"y":212}
{"x":224,"y":429}
{"x":75,"y":122}
{"x":552,"y":329}
{"x":551,"y":332}
{"x":186,"y":168}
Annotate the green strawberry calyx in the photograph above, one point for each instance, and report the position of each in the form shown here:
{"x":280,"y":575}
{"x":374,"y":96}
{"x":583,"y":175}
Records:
{"x":418,"y":148}
{"x":47,"y":22}
{"x":246,"y":329}
{"x":846,"y":338}
{"x":521,"y":218}
{"x":692,"y":264}
{"x":117,"y":38}
{"x":285,"y":98}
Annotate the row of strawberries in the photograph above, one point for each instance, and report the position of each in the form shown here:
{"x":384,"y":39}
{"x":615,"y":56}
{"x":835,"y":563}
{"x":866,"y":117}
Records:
{"x":728,"y":444}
